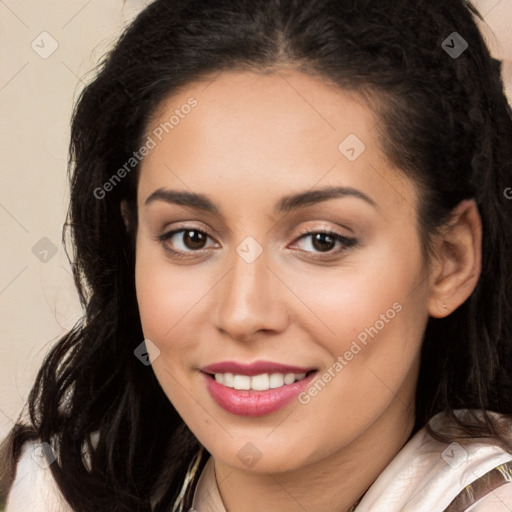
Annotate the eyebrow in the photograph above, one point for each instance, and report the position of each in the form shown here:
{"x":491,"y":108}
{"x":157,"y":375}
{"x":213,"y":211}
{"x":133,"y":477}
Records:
{"x":285,"y":204}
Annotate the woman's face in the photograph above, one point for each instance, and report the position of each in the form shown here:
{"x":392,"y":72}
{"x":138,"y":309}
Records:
{"x":296,"y":271}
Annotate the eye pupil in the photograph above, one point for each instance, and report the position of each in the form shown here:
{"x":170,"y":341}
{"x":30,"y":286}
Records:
{"x":323,"y":242}
{"x":194,"y":239}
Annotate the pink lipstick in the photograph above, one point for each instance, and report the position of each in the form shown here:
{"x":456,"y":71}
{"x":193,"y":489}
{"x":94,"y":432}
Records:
{"x":255,"y":389}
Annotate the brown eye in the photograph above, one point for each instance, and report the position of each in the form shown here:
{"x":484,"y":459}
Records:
{"x":323,"y":242}
{"x":194,"y":239}
{"x":185,"y":240}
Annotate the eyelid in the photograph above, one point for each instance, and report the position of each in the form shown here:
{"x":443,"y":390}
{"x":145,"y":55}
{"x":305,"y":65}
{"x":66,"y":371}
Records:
{"x":321,"y":229}
{"x":171,"y":232}
{"x":347,"y":242}
{"x":313,"y":228}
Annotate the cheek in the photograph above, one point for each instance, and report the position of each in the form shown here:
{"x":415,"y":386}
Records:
{"x":165,"y":294}
{"x":166,"y":297}
{"x":378,"y":292}
{"x":376,"y":313}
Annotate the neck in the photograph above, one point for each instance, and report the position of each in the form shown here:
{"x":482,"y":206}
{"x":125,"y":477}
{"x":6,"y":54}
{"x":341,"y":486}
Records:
{"x":332,"y":483}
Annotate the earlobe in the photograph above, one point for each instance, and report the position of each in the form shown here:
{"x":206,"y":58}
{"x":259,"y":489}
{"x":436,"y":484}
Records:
{"x":457,"y":264}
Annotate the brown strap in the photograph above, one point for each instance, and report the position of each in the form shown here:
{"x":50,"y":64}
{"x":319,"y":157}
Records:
{"x":482,"y":486}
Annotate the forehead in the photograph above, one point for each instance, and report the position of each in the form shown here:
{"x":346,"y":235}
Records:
{"x":266,"y":131}
{"x":287,"y":98}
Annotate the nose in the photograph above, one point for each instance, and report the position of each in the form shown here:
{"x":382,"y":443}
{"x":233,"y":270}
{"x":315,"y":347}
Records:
{"x":250,"y":300}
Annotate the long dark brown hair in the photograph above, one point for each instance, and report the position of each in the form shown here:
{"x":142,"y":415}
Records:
{"x":444,"y":121}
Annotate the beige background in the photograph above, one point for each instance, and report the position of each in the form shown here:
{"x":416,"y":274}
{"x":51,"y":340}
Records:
{"x":37,"y":90}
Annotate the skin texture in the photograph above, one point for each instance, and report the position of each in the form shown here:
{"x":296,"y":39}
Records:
{"x":251,"y":139}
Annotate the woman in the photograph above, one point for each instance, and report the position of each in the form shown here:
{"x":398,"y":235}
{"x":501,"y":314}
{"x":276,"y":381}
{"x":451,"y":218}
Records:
{"x":292,"y":243}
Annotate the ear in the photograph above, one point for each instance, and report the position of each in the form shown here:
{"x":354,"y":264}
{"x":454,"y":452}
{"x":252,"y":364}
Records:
{"x":456,"y":264}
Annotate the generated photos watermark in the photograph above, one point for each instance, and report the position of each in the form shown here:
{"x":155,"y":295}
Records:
{"x":151,"y":142}
{"x":454,"y":455}
{"x":249,"y":454}
{"x":454,"y":45}
{"x":343,"y":360}
{"x":146,"y":352}
{"x":43,"y":455}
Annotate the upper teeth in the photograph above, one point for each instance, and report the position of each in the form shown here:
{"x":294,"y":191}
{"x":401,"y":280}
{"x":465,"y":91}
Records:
{"x":260,"y":382}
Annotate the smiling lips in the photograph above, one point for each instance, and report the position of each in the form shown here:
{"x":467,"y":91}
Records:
{"x":256,"y":389}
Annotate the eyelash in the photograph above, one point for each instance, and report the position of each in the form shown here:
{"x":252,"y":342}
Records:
{"x":347,"y":242}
